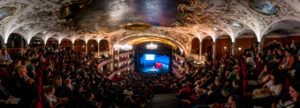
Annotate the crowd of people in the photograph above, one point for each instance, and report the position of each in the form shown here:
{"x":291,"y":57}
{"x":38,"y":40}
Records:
{"x":46,"y":79}
{"x":246,"y":81}
{"x":42,"y":78}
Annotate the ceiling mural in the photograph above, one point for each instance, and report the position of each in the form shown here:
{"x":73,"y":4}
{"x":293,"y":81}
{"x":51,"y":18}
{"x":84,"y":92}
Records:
{"x":267,"y":7}
{"x":180,"y":20}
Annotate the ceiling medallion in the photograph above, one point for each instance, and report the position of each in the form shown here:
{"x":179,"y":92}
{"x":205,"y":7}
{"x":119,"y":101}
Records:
{"x":135,"y":26}
{"x":267,"y":7}
{"x":235,"y":24}
{"x":6,"y":12}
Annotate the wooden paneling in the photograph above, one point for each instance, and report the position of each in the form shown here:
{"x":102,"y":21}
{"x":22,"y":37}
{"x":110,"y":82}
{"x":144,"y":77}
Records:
{"x":195,"y":46}
{"x":244,"y":43}
{"x":220,"y":44}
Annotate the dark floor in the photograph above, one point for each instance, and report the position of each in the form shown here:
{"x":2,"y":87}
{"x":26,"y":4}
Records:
{"x":164,"y":101}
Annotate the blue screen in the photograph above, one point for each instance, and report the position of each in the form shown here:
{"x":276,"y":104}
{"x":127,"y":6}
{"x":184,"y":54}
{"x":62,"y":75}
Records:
{"x":160,"y":62}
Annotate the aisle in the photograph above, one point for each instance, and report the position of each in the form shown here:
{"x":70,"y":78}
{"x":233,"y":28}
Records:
{"x":164,"y":101}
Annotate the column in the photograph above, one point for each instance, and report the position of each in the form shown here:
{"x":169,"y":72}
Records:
{"x":259,"y":47}
{"x":99,"y":48}
{"x":200,"y":52}
{"x":86,"y":48}
{"x":73,"y":47}
{"x":111,"y":66}
{"x":214,"y":50}
{"x":232,"y":48}
{"x":5,"y":46}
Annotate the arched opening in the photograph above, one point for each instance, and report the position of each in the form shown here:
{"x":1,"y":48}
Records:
{"x":36,"y":42}
{"x":16,"y":40}
{"x":92,"y":46}
{"x":79,"y":45}
{"x":245,"y":42}
{"x":52,"y":43}
{"x":66,"y":43}
{"x":223,"y":45}
{"x":153,"y":60}
{"x":207,"y":47}
{"x":195,"y":46}
{"x":1,"y":42}
{"x":104,"y":45}
{"x":282,"y":35}
{"x":14,"y":43}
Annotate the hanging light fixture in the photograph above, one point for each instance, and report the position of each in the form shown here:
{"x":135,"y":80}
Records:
{"x":151,"y":46}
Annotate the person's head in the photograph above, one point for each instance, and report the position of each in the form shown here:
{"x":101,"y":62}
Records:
{"x":50,"y":90}
{"x":276,"y":76}
{"x":57,"y":81}
{"x":199,"y":91}
{"x":35,"y":61}
{"x":5,"y":52}
{"x":21,"y":71}
{"x":294,"y":91}
{"x":90,"y":96}
{"x":279,"y":52}
{"x":286,"y":53}
{"x":68,"y":80}
{"x":235,"y":84}
{"x":234,"y":100}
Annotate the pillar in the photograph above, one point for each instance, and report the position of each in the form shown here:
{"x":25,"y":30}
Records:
{"x":5,"y":46}
{"x":73,"y":47}
{"x":111,"y":66}
{"x":86,"y":48}
{"x":200,"y":51}
{"x":214,"y":50}
{"x":233,"y":48}
{"x":99,"y":48}
{"x":259,"y":47}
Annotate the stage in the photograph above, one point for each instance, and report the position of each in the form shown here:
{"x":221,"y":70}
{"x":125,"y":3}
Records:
{"x":152,"y":69}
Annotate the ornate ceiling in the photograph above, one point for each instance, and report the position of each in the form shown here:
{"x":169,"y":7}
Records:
{"x":178,"y":20}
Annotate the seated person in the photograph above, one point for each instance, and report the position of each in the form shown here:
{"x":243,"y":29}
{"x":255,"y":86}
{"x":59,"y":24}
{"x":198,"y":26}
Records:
{"x":50,"y":99}
{"x":6,"y":99}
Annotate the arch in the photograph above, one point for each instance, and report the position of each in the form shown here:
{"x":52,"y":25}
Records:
{"x":66,"y":43}
{"x":223,"y":45}
{"x":52,"y":43}
{"x":104,"y":45}
{"x":156,"y":36}
{"x":37,"y":42}
{"x":282,"y":31}
{"x":244,"y":33}
{"x":207,"y":46}
{"x":278,"y":23}
{"x":79,"y":45}
{"x":195,"y":46}
{"x":92,"y":45}
{"x":2,"y":45}
{"x":16,"y":40}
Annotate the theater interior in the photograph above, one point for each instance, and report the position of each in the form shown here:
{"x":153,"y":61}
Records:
{"x":149,"y":53}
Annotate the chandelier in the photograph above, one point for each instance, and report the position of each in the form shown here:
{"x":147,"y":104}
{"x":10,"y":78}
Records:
{"x":151,"y":46}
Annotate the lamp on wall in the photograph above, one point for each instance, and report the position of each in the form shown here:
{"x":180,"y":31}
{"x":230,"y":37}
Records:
{"x":240,"y":48}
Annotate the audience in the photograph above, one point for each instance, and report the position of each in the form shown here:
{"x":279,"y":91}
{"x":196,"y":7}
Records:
{"x":64,"y":78}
